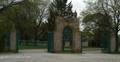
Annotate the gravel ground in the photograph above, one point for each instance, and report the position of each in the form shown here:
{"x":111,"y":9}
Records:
{"x":41,"y":55}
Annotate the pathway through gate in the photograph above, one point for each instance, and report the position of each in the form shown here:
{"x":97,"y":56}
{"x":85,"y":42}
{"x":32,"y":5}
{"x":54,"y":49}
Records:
{"x":67,"y":39}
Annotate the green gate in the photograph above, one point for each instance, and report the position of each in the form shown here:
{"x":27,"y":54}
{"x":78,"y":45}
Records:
{"x":4,"y":42}
{"x":105,"y":43}
{"x":17,"y":41}
{"x":67,"y":38}
{"x":7,"y":43}
{"x":50,"y":42}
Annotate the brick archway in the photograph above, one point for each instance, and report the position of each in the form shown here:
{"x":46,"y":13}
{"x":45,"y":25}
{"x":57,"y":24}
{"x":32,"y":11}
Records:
{"x":62,"y":23}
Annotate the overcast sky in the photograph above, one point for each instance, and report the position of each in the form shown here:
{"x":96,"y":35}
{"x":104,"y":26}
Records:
{"x":78,"y":5}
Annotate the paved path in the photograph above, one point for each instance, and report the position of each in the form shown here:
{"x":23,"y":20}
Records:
{"x":41,"y":55}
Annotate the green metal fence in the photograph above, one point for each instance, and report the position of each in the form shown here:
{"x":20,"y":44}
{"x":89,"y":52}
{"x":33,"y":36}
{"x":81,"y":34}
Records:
{"x":4,"y":39}
{"x":7,"y":43}
{"x":22,"y":42}
{"x":119,"y":41}
{"x":50,"y":42}
{"x":32,"y":43}
{"x":105,"y":43}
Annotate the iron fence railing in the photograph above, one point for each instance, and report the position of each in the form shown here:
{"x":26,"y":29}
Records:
{"x":32,"y":43}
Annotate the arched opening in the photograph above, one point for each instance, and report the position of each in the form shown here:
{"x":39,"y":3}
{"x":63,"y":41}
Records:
{"x":67,"y":39}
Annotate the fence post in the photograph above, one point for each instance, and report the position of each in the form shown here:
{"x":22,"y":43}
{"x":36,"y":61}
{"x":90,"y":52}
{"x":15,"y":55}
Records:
{"x":17,"y":41}
{"x":52,"y":42}
{"x":48,"y":41}
{"x":81,"y":43}
{"x":109,"y":43}
{"x":20,"y":42}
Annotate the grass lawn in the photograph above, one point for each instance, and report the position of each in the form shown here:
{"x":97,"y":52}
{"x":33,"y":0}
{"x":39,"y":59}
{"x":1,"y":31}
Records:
{"x":87,"y":48}
{"x":118,"y":52}
{"x":68,"y":52}
{"x":6,"y":51}
{"x":68,"y":49}
{"x":83,"y":49}
{"x":91,"y":48}
{"x":21,"y":47}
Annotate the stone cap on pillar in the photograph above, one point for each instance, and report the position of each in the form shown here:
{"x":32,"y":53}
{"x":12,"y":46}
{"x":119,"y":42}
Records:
{"x":59,"y":13}
{"x":13,"y":26}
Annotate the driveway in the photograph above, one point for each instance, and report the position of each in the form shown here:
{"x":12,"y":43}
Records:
{"x":41,"y":55}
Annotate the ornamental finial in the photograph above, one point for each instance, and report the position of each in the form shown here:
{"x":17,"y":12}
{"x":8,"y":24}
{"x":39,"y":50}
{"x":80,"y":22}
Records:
{"x":59,"y":13}
{"x":75,"y":14}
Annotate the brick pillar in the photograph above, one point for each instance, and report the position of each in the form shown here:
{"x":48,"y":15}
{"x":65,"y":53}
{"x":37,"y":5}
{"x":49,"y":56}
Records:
{"x":112,"y":43}
{"x":13,"y":40}
{"x":77,"y":43}
{"x":57,"y":42}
